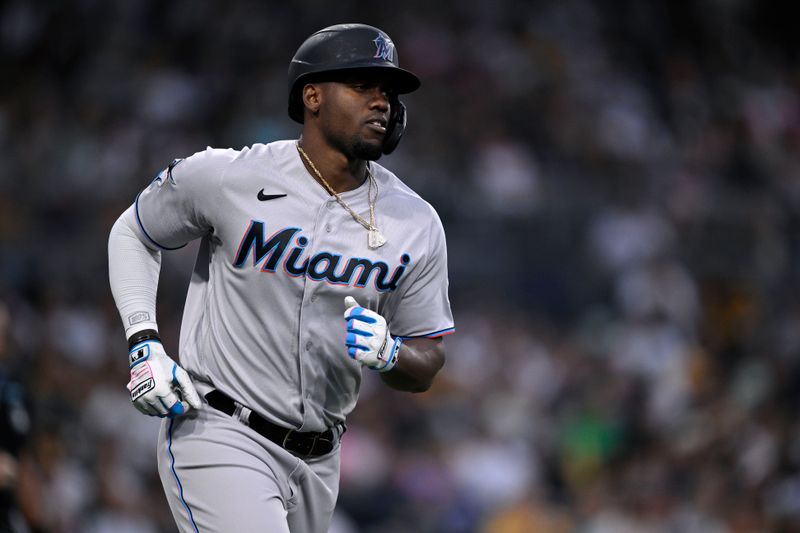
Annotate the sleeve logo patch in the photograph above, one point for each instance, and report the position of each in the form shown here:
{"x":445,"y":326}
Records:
{"x":166,"y":173}
{"x":142,"y":388}
{"x":139,"y":316}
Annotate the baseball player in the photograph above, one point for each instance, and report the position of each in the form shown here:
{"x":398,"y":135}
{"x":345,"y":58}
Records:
{"x":314,"y":263}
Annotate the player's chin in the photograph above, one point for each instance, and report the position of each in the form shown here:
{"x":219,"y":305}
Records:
{"x":368,"y":148}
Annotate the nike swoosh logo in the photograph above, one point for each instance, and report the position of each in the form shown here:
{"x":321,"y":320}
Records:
{"x":264,"y":197}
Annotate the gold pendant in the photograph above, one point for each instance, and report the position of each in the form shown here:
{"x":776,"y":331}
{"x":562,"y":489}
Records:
{"x":376,"y":239}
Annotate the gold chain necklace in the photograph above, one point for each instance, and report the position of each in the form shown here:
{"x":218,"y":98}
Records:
{"x":375,"y":237}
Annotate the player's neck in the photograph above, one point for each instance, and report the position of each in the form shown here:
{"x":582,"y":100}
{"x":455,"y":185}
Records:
{"x":341,"y":173}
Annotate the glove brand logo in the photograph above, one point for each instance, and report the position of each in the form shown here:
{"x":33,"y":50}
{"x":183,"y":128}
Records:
{"x":142,"y":388}
{"x":323,"y":266}
{"x":385,"y":48}
{"x":138,"y":355}
{"x":264,"y":197}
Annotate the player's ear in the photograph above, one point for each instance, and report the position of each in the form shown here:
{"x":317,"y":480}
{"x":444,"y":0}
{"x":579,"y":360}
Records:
{"x":311,"y":98}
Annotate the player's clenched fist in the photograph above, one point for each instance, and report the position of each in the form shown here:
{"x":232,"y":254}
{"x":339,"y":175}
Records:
{"x":156,"y":380}
{"x":368,"y":340}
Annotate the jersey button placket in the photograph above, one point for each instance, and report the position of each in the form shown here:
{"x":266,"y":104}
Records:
{"x":310,"y":367}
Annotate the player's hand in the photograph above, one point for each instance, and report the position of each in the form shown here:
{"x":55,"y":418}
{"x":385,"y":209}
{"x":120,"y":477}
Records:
{"x":158,"y":386}
{"x":368,"y":340}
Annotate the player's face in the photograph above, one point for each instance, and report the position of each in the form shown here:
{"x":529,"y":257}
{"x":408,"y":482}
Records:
{"x":354,"y":115}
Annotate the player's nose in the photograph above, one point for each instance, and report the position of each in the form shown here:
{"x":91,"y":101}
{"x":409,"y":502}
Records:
{"x":379,"y":99}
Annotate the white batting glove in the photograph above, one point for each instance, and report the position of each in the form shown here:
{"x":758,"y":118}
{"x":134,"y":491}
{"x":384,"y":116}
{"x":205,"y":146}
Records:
{"x":156,"y":382}
{"x":368,"y":340}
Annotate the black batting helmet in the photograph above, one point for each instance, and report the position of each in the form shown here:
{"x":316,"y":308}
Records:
{"x":349,"y":47}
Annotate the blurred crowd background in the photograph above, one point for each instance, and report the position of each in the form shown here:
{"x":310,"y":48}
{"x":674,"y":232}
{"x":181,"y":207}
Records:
{"x":619,"y":182}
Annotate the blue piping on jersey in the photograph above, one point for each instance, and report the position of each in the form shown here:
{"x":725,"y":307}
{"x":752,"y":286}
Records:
{"x":141,"y":226}
{"x":175,"y":475}
{"x":434,"y":335}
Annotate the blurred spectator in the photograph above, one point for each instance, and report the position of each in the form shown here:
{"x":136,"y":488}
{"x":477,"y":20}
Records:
{"x":14,"y":428}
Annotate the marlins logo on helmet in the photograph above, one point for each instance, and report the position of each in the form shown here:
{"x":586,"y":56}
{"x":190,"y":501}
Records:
{"x":385,"y":48}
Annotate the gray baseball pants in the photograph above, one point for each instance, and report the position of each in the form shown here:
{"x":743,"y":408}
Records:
{"x":221,"y":476}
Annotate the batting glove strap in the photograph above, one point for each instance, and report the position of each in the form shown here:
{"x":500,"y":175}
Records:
{"x":394,"y":350}
{"x":141,"y":336}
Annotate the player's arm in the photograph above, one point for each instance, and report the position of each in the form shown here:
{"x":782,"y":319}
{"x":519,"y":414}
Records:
{"x":407,"y":363}
{"x":418,"y":362}
{"x":133,"y":270}
{"x":158,"y":386}
{"x":177,"y":207}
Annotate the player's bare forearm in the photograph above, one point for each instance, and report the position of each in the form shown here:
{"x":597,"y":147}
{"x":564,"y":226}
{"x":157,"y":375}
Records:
{"x":418,"y":362}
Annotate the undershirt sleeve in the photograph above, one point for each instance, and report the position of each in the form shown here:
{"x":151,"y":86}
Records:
{"x":133,"y":269}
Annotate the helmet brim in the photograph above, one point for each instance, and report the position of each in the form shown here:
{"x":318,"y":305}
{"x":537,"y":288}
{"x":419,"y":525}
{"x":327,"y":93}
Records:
{"x":400,"y":80}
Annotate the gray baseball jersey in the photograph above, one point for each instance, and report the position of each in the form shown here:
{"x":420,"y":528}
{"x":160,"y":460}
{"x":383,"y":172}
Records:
{"x":263,"y":316}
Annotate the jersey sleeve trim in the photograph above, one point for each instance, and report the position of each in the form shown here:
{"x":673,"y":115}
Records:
{"x":434,"y":335}
{"x":144,"y":231}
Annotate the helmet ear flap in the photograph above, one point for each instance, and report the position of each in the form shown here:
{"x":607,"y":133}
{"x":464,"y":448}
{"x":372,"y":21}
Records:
{"x":396,"y":126}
